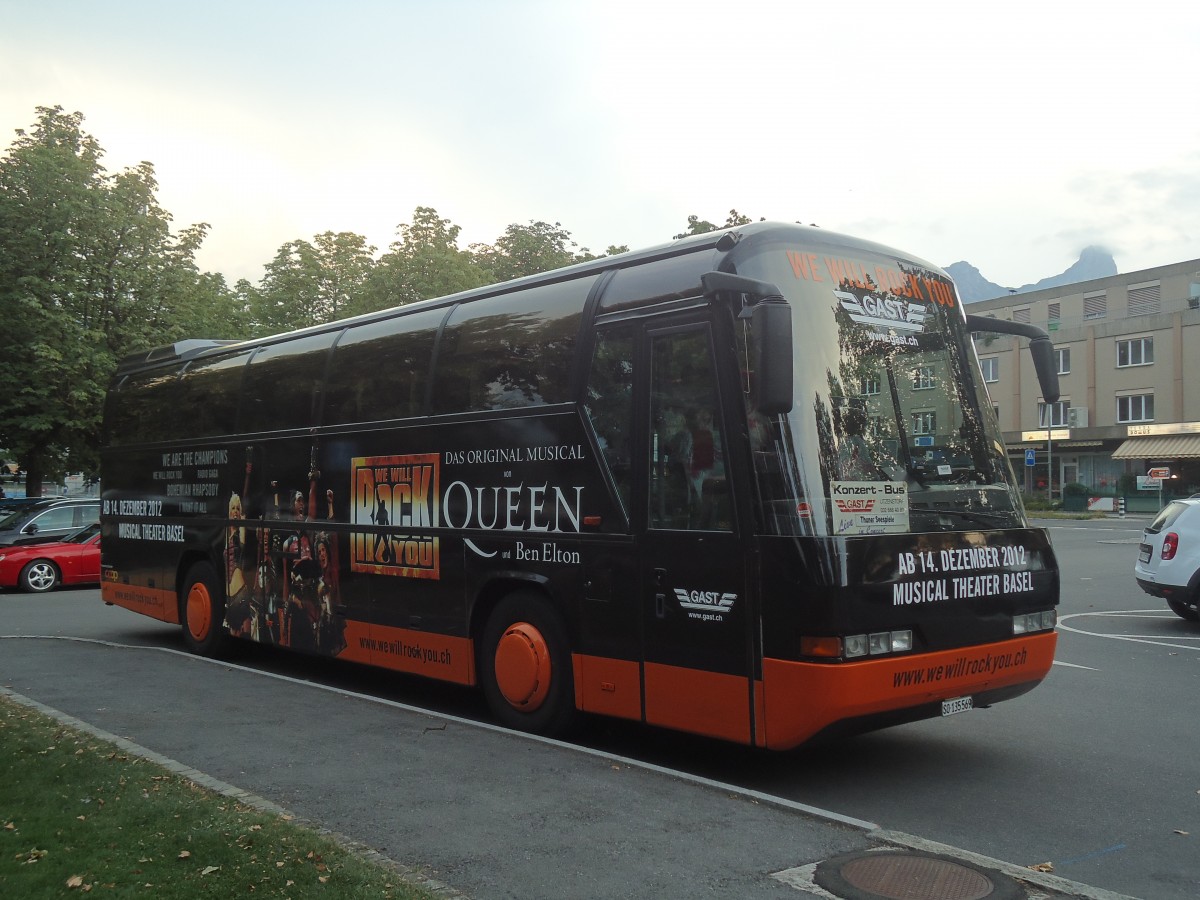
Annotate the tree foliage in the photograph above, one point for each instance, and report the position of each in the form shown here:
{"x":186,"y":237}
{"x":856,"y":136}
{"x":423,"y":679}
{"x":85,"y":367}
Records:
{"x":311,"y":283}
{"x":527,"y":250}
{"x":89,"y":271}
{"x":423,"y":262}
{"x":696,"y":225}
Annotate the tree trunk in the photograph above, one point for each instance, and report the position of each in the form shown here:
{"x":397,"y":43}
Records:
{"x":33,"y":476}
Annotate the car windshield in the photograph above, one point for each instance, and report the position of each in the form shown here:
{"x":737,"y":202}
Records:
{"x":9,"y":516}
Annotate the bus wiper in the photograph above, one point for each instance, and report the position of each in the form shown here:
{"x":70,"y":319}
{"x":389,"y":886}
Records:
{"x":984,"y":518}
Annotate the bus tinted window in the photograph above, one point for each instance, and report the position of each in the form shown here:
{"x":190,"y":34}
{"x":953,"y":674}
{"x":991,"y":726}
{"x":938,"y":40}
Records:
{"x":140,"y":407}
{"x":210,"y":390}
{"x":688,"y":488}
{"x":609,"y":405}
{"x":510,"y":351}
{"x":380,"y":370}
{"x":657,"y":282}
{"x":283,"y":384}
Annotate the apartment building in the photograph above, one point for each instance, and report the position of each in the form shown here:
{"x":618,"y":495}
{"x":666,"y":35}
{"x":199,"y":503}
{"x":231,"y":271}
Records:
{"x":1128,"y":353}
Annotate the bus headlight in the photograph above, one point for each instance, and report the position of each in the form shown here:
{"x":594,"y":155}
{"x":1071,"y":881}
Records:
{"x":856,"y":645}
{"x":1026,"y":623}
{"x":879,"y":643}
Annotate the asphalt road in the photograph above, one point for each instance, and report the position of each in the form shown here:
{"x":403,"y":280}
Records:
{"x":1095,"y":772}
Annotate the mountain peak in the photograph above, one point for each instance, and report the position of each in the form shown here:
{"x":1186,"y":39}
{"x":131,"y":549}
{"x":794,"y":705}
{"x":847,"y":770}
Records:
{"x":1094,"y":262}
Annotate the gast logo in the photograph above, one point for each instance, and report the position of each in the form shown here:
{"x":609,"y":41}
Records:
{"x":862,"y":504}
{"x":709,"y":601}
{"x":883,"y":312}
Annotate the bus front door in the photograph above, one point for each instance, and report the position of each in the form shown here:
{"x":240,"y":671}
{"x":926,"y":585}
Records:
{"x":696,"y":621}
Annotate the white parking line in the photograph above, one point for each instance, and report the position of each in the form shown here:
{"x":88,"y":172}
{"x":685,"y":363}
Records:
{"x":1132,"y":638}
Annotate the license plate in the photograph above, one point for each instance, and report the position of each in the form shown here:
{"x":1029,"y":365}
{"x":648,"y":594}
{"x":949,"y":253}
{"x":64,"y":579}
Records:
{"x":1144,"y":555}
{"x":957,"y":705}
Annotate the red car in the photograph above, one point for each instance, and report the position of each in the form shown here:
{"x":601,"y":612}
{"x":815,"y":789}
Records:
{"x":42,"y":567}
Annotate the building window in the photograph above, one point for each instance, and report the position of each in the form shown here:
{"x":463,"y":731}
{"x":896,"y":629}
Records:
{"x":1058,"y":414}
{"x":1136,"y":408}
{"x":1135,"y":352}
{"x":1062,"y":359}
{"x":1021,"y":315}
{"x":924,"y":423}
{"x":870,"y":386}
{"x":1053,"y":311}
{"x":991,"y":368}
{"x":1095,"y":306}
{"x":996,"y":411}
{"x":1144,"y":299}
{"x":923,"y":379}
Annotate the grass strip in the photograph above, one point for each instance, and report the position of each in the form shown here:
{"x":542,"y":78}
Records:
{"x":78,"y":814}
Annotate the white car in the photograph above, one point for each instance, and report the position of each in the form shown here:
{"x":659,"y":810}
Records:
{"x":1168,"y":563}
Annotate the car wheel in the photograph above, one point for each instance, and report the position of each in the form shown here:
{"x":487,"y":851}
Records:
{"x":39,"y":576}
{"x":202,"y":612}
{"x":1183,"y":610}
{"x":525,"y":666}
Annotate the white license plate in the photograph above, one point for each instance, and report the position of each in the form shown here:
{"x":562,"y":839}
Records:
{"x":957,"y":705}
{"x":1144,"y":555}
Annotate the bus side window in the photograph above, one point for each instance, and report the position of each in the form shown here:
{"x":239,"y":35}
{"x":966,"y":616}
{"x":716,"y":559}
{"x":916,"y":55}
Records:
{"x":210,"y":391}
{"x":609,"y":405}
{"x":283,"y":382}
{"x":688,"y":487}
{"x":511,"y":352}
{"x":380,"y":370}
{"x":144,"y":400}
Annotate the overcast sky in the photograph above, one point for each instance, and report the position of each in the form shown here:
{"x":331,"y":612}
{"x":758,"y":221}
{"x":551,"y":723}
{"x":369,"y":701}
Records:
{"x":1010,"y":135}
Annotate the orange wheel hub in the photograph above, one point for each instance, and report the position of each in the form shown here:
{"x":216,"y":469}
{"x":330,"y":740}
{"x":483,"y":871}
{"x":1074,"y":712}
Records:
{"x":523,"y":666}
{"x":199,"y":612}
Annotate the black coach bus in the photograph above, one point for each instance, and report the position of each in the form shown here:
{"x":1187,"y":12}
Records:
{"x":748,"y":485}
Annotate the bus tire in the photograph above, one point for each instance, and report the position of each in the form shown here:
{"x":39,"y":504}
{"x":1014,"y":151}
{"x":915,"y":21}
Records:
{"x":525,"y":666}
{"x":202,"y":612}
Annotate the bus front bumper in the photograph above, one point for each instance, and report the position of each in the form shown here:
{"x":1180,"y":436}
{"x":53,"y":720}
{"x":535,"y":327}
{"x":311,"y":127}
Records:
{"x":804,"y":700}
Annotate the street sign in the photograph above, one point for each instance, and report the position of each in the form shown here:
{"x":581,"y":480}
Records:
{"x":1031,"y":457}
{"x":1159,"y":472}
{"x":1146,"y":483}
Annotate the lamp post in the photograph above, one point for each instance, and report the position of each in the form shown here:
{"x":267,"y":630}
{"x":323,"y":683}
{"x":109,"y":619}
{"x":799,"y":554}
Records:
{"x":1049,"y":458}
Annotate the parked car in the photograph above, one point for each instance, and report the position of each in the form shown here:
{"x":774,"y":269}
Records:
{"x":1168,"y":563}
{"x":42,"y":567}
{"x":46,"y":521}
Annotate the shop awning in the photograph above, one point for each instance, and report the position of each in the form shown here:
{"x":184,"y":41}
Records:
{"x":1176,"y":446}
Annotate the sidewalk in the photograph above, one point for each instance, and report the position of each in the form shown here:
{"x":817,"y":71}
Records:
{"x":462,"y":807}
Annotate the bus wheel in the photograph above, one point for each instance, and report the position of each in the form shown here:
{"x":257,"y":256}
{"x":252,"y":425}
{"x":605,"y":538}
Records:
{"x":525,"y":666}
{"x":203,"y":612}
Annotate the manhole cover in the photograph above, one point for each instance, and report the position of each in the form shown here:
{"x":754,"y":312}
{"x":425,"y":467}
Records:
{"x":911,"y":876}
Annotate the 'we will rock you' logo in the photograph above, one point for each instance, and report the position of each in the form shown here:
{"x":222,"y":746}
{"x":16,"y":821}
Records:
{"x":400,"y":497}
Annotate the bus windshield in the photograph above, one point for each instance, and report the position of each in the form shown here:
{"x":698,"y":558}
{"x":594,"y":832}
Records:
{"x":892,"y":430}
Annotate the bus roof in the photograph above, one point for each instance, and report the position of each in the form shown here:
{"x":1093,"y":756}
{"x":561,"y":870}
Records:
{"x":722,"y":240}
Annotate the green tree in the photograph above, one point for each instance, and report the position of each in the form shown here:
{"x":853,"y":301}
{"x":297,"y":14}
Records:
{"x":424,"y":262}
{"x":311,"y":283}
{"x":89,"y":271}
{"x":696,"y":225}
{"x":527,"y":250}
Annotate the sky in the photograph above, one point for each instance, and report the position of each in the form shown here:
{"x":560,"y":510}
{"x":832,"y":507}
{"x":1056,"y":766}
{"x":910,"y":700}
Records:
{"x":1009,"y":135}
